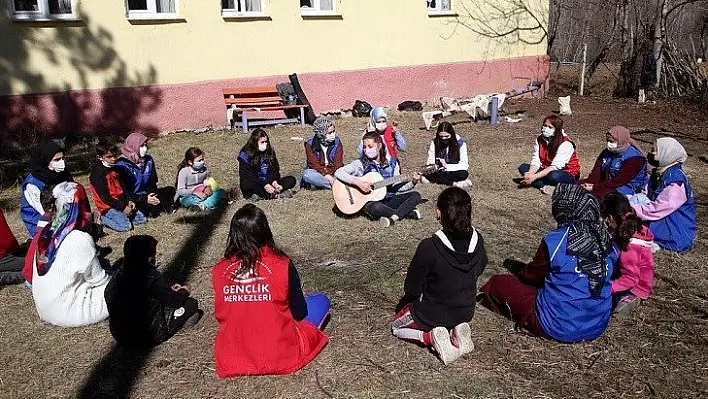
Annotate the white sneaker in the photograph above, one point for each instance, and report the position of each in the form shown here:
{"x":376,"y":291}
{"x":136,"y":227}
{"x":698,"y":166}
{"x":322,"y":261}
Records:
{"x":415,"y":215}
{"x":384,"y":221}
{"x":655,"y":248}
{"x":443,"y":346}
{"x":463,"y":336}
{"x":548,"y":190}
{"x":463,"y":184}
{"x":424,"y":180}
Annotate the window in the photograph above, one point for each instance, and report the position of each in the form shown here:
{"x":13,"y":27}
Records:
{"x":439,"y":6}
{"x":43,"y":10}
{"x":153,"y":9}
{"x":241,"y":8}
{"x":317,"y":7}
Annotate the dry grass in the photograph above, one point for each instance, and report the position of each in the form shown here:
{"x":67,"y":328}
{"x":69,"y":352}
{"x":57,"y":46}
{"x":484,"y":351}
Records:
{"x":659,"y":350}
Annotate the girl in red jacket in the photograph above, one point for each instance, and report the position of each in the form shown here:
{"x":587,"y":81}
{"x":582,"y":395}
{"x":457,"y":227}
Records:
{"x":636,"y":266}
{"x":266,"y":324}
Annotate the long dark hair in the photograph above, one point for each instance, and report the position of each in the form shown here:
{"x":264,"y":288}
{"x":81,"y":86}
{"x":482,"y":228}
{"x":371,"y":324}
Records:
{"x":254,"y":156}
{"x":383,"y":162}
{"x":555,"y":142}
{"x":451,"y":145}
{"x":455,"y":207}
{"x":628,"y":223}
{"x":249,"y":233}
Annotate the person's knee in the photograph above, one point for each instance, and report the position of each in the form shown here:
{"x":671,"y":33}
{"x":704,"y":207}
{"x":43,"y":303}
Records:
{"x":415,"y":196}
{"x":558,"y":176}
{"x":524,"y":168}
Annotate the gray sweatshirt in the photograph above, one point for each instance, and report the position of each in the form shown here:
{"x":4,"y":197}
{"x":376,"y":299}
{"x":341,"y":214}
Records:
{"x":188,"y":179}
{"x":349,"y":172}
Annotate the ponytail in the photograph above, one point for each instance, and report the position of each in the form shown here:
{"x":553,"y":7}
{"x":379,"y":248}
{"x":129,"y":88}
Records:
{"x":628,"y":223}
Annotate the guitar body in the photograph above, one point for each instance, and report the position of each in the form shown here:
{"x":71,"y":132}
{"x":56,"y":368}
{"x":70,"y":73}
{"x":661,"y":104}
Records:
{"x":350,"y":200}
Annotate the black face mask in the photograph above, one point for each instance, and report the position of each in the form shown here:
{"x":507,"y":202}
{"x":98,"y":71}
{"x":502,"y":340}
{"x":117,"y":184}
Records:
{"x":651,"y":159}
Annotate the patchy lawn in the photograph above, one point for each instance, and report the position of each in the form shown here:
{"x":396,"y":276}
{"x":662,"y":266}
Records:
{"x":659,"y":350}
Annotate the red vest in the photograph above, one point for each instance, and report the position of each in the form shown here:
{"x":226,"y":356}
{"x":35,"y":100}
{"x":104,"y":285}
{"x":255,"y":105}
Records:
{"x":390,"y":139}
{"x":572,"y":167}
{"x":257,"y":333}
{"x":8,"y":242}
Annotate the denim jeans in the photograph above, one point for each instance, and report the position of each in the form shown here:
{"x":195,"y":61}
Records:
{"x":551,"y":179}
{"x":209,"y":202}
{"x":314,"y":179}
{"x":119,"y":221}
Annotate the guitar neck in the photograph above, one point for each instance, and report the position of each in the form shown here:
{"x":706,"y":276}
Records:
{"x":392,"y":180}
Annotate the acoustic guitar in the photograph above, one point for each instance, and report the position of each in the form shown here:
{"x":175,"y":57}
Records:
{"x":349,"y":199}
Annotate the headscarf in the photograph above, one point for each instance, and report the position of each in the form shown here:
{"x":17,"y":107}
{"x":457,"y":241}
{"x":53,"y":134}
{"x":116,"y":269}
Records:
{"x":669,"y":152}
{"x":622,"y":136}
{"x":376,"y":114}
{"x":73,"y":212}
{"x":131,"y":147}
{"x":40,"y":158}
{"x":320,"y":128}
{"x":588,"y":238}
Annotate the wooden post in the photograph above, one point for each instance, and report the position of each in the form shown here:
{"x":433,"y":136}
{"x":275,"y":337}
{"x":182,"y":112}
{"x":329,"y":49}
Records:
{"x":582,"y":69}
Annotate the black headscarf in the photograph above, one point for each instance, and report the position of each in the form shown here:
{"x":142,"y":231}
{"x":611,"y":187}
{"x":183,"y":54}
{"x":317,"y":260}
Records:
{"x":39,"y":164}
{"x":588,"y":238}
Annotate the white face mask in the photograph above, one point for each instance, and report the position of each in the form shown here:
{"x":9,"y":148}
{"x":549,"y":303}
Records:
{"x":58,"y":166}
{"x":611,"y":146}
{"x":108,"y":165}
{"x":330,"y":137}
{"x":371,"y":153}
{"x":262,"y":147}
{"x":381,"y":126}
{"x":548,"y":131}
{"x":143,"y":151}
{"x":198,"y":165}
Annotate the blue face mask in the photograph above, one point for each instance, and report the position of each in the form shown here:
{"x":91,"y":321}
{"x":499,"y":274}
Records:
{"x":199,"y":165}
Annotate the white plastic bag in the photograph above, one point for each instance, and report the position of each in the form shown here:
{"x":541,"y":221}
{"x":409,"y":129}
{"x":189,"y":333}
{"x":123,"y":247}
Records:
{"x":564,"y":103}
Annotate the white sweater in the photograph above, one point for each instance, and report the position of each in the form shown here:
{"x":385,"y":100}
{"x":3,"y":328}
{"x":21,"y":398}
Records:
{"x":71,"y":293}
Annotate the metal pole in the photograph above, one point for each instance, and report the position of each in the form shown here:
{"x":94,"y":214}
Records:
{"x":495,"y":111}
{"x":582,"y":69}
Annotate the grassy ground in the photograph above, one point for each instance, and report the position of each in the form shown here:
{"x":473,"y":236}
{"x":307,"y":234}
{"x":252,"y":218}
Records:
{"x":658,"y":351}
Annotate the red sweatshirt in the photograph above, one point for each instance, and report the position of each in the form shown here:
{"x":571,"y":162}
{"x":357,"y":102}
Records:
{"x":8,"y":242}
{"x":636,"y":266}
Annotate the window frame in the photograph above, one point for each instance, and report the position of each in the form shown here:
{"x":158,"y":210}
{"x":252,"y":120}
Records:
{"x":439,"y":11}
{"x":43,"y":13}
{"x":234,"y":13}
{"x":151,"y":13}
{"x":315,"y":10}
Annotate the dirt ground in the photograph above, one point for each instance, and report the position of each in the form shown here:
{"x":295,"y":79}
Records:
{"x":660,"y":350}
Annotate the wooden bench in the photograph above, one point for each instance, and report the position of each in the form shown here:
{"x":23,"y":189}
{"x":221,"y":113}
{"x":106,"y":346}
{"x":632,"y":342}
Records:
{"x":254,"y":101}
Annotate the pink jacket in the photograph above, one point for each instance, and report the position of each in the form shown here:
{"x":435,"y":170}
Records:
{"x":637,"y":266}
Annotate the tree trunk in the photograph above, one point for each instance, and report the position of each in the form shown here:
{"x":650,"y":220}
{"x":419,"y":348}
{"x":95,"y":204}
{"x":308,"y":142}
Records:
{"x":662,"y":10}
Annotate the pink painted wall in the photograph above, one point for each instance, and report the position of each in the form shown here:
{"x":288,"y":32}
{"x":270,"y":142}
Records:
{"x":159,"y":108}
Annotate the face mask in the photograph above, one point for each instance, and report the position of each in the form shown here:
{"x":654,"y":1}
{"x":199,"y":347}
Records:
{"x":548,"y":131}
{"x":381,"y":126}
{"x":651,"y":159}
{"x":330,"y":137}
{"x":108,"y":165}
{"x":199,"y":165}
{"x":262,"y":147}
{"x":59,"y":166}
{"x":143,"y":151}
{"x":611,"y":146}
{"x":371,"y":153}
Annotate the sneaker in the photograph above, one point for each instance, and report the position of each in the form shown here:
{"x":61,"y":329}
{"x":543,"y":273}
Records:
{"x":424,"y":180}
{"x":255,"y":198}
{"x":655,"y":248}
{"x":415,"y":215}
{"x":626,"y":304}
{"x":548,"y":190}
{"x":463,"y":184}
{"x":194,"y":319}
{"x":440,"y":338}
{"x":462,"y":338}
{"x":385,"y":222}
{"x":285,"y":194}
{"x":518,"y":180}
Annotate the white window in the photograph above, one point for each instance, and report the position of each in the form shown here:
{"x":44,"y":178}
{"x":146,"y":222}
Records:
{"x":153,"y":9}
{"x":241,"y":8}
{"x":43,"y":10}
{"x":317,"y":7}
{"x":439,"y":6}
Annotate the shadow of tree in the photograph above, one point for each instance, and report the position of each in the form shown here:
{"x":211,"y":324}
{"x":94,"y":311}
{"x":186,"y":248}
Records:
{"x":37,"y":104}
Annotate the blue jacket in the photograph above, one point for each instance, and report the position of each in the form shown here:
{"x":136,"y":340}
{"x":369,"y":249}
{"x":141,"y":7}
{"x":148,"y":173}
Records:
{"x":139,"y":181}
{"x":564,"y":307}
{"x":29,"y":215}
{"x":331,"y":150}
{"x":677,"y":231}
{"x":387,"y":173}
{"x":612,"y":163}
{"x":263,"y":171}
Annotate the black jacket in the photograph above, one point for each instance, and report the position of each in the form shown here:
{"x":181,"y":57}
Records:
{"x":441,"y":284}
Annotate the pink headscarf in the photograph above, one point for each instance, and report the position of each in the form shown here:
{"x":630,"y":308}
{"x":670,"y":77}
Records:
{"x":131,"y":147}
{"x":623,"y":138}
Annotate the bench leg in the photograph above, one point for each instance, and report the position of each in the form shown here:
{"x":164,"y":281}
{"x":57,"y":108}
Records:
{"x":230,"y":117}
{"x":302,"y":116}
{"x":244,"y":122}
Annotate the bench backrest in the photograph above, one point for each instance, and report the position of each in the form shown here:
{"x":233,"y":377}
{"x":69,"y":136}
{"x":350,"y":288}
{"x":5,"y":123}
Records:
{"x":252,"y":96}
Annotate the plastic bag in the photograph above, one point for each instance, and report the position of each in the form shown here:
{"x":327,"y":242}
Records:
{"x":361,"y":109}
{"x":564,"y":103}
{"x":410,"y":106}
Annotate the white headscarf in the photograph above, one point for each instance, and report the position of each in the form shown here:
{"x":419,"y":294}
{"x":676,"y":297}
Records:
{"x":669,"y":151}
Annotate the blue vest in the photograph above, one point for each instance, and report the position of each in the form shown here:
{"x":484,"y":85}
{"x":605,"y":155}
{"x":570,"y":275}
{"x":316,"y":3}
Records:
{"x":564,"y":306}
{"x":387,"y":173}
{"x":138,"y":179}
{"x":331,"y":150}
{"x":677,"y":231}
{"x":262,"y":172}
{"x":612,"y":163}
{"x":447,"y":150}
{"x":29,"y":215}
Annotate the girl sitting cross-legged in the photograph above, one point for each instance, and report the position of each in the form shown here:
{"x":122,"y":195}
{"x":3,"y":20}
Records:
{"x":449,"y":151}
{"x":325,"y":154}
{"x":196,"y":189}
{"x":441,"y":283}
{"x":259,"y":170}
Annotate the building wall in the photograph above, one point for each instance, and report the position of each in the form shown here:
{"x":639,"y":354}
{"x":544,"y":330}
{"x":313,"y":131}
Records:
{"x":380,"y":51}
